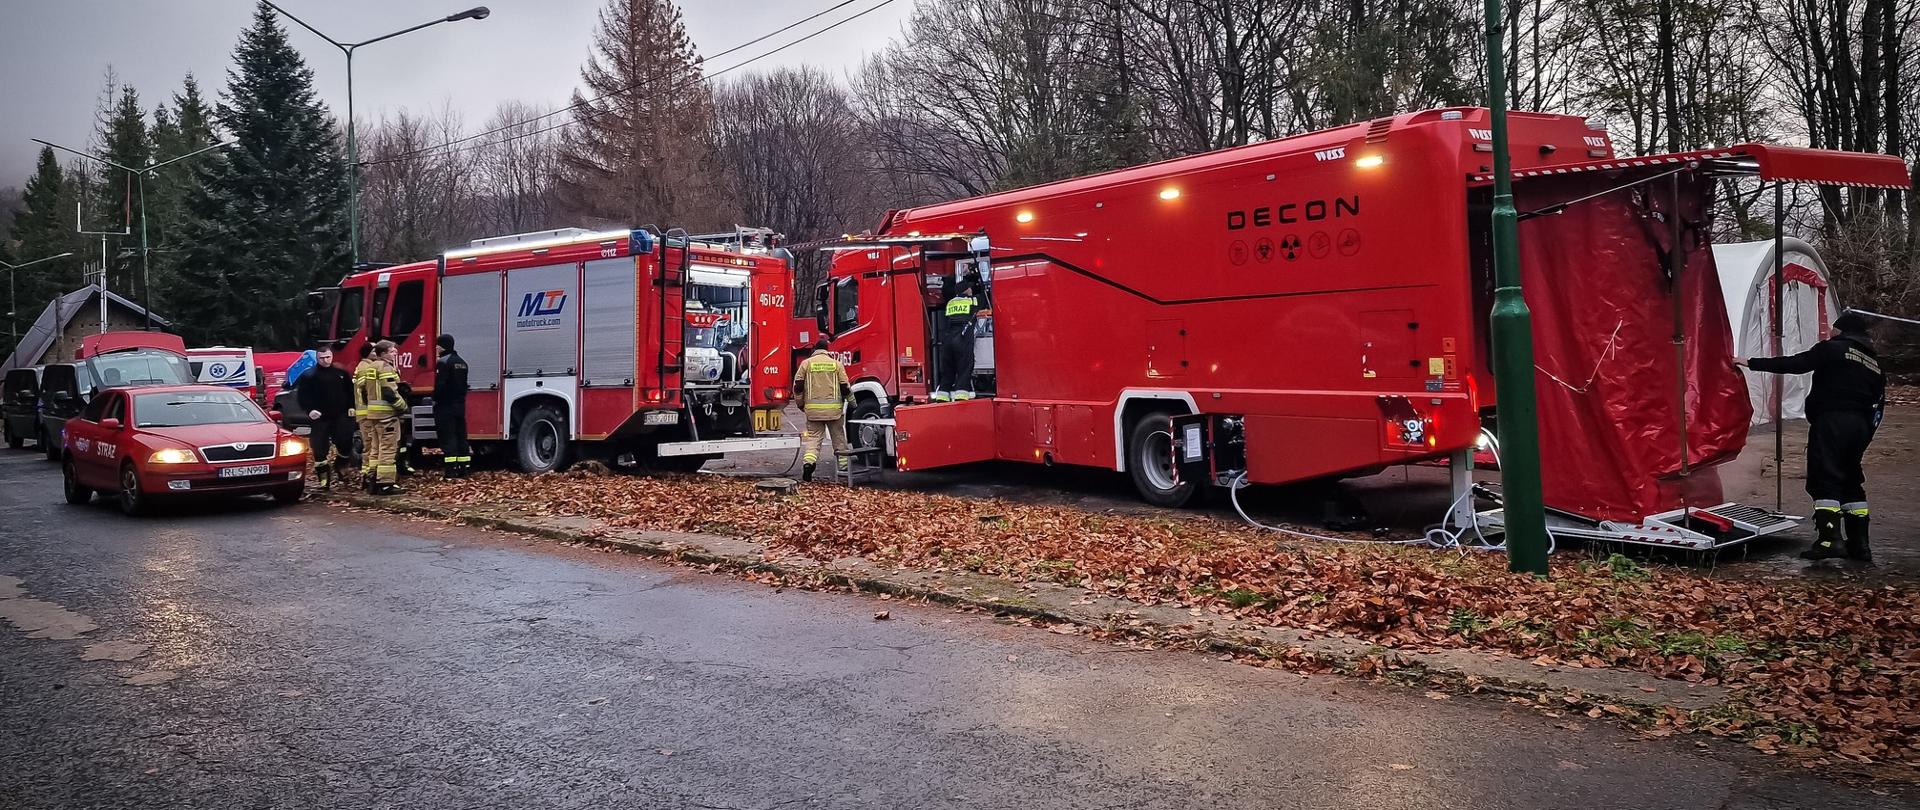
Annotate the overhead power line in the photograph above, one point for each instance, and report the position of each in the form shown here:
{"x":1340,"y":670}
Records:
{"x":446,"y":150}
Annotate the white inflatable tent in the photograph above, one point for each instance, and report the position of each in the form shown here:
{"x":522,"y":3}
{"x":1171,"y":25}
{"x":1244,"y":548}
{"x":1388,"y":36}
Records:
{"x":1808,"y":309}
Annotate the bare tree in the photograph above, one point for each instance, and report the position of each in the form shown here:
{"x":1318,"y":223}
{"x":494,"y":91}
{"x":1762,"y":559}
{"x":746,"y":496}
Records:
{"x":517,"y":171}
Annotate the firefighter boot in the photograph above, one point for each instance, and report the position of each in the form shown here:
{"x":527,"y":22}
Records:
{"x":844,"y":464}
{"x":1856,"y":524}
{"x":942,"y":396}
{"x":806,"y":471}
{"x":1826,"y":537}
{"x":962,"y":395}
{"x":323,"y":474}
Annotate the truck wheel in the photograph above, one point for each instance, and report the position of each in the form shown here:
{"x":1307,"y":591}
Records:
{"x":541,"y":443}
{"x":867,"y":407}
{"x":1150,"y":463}
{"x":13,"y":442}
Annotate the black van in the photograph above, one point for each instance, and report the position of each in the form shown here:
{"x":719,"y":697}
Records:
{"x":19,"y":406}
{"x":64,"y":388}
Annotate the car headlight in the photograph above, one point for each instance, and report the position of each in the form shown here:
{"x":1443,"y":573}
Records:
{"x":171,"y":455}
{"x":292,"y":447}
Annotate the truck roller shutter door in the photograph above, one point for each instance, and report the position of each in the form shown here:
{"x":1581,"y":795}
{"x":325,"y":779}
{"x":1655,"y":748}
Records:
{"x":470,"y":312}
{"x":543,"y":321}
{"x":608,"y":301}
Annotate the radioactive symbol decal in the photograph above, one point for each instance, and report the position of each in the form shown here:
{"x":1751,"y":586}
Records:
{"x":1290,"y":247}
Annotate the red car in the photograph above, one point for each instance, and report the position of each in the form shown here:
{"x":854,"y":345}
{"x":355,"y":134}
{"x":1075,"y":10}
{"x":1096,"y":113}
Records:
{"x":158,"y":441}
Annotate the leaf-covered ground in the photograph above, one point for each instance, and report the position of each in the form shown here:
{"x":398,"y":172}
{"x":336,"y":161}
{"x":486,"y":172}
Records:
{"x":1833,"y":666}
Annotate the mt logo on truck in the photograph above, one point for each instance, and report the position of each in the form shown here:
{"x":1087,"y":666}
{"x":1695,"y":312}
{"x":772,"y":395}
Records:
{"x":541,"y":310}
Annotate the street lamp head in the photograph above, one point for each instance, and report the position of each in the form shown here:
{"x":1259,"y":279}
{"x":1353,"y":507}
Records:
{"x":475,"y":13}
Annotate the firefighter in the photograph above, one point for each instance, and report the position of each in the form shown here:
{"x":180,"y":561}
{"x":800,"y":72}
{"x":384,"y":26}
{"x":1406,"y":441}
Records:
{"x":450,"y":409}
{"x":326,"y":392}
{"x":1843,"y":411}
{"x":377,"y":402}
{"x":963,"y":300}
{"x":820,"y":384}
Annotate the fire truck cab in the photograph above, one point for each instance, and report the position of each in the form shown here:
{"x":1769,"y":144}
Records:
{"x":662,"y":349}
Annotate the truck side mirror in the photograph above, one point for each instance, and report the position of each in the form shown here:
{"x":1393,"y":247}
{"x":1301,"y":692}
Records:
{"x":822,"y":309}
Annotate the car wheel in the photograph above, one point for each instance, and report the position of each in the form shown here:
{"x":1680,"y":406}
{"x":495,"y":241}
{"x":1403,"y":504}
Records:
{"x":76,"y":493}
{"x":289,"y":494}
{"x":1150,"y":463}
{"x":541,"y":442}
{"x":133,"y":502}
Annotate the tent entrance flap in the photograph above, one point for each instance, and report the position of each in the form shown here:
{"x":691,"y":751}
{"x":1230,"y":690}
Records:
{"x":1769,"y":162}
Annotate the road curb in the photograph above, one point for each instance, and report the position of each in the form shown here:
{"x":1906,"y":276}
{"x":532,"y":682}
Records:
{"x":1620,"y":692}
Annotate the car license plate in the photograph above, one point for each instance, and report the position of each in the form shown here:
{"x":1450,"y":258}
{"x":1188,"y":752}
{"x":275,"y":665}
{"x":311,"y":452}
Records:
{"x":239,"y":472}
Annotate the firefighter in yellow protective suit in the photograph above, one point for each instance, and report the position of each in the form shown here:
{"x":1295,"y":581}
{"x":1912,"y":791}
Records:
{"x":377,"y":404}
{"x":821,"y":386}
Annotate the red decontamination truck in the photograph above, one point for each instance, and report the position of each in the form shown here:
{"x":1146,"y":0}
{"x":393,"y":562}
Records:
{"x":664,"y":347}
{"x":1316,"y":306}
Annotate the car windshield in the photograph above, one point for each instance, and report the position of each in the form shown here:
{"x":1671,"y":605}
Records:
{"x":182,"y":408}
{"x":140,"y":367}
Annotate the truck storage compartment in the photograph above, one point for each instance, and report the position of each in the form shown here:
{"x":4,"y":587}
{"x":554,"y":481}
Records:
{"x":943,"y":434}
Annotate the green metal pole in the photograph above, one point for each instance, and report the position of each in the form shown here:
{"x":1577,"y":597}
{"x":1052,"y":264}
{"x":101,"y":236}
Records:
{"x":1512,"y":324}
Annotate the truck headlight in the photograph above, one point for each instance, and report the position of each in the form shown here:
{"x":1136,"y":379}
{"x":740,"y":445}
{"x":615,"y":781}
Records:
{"x":292,"y":447}
{"x":171,"y":455}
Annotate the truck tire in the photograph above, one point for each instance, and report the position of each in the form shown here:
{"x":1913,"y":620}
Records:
{"x":865,"y":406}
{"x":13,"y":442}
{"x":540,"y":442}
{"x":1150,"y":463}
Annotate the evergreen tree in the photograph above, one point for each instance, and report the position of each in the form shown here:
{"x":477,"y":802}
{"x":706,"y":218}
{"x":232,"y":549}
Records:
{"x":643,"y":151}
{"x":122,"y":137}
{"x":180,"y":128}
{"x":266,"y":220}
{"x":44,"y":227}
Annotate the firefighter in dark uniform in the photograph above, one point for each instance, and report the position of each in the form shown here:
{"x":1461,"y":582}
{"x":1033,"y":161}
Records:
{"x":325,"y":392}
{"x":1843,"y":410}
{"x":963,"y":301}
{"x":450,"y":410}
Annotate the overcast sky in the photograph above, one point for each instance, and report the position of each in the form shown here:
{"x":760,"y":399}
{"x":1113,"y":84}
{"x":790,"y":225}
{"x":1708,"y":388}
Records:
{"x":53,"y":53}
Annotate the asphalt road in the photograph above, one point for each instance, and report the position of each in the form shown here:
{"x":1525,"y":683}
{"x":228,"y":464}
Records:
{"x":302,"y":657}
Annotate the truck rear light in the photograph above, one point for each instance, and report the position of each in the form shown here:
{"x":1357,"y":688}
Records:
{"x":775,"y":394}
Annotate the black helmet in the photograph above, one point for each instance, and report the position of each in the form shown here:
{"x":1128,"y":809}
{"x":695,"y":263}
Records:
{"x":1851,"y":322}
{"x":446,"y":342}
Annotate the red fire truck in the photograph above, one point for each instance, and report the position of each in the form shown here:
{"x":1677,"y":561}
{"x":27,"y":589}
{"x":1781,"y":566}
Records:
{"x":1316,"y":306}
{"x":662,"y":346}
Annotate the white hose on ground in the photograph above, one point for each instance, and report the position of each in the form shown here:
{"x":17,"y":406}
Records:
{"x":1240,"y":482}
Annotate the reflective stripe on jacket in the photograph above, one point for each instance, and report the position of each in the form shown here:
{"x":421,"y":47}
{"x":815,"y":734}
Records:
{"x":817,"y":384}
{"x":962,"y":306}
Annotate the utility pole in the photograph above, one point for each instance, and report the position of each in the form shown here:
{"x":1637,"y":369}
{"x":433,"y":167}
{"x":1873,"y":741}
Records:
{"x":353,"y":148}
{"x":139,"y":179}
{"x":1512,"y":326}
{"x":13,"y":307}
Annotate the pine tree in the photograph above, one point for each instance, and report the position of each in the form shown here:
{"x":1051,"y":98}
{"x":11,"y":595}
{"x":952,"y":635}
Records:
{"x":122,"y":137}
{"x":266,"y":220}
{"x":643,"y":151}
{"x":181,"y":128}
{"x":44,"y":227}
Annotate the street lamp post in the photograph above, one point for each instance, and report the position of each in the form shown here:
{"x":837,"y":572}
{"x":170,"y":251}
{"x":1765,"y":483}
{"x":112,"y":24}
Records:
{"x":353,"y":150}
{"x":13,"y":307}
{"x":1512,"y":327}
{"x":139,"y":182}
